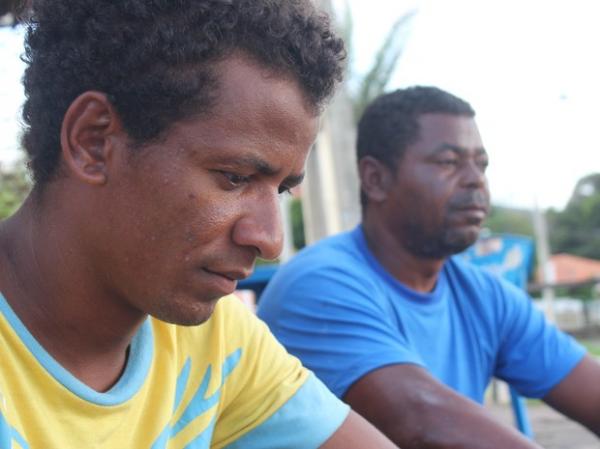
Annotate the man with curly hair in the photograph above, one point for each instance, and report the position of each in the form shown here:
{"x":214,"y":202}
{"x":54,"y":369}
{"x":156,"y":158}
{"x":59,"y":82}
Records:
{"x":407,"y":334}
{"x":160,"y":134}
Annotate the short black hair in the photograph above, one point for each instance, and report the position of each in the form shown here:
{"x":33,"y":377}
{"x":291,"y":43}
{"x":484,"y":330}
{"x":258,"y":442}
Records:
{"x":154,"y":60}
{"x":390,"y":123}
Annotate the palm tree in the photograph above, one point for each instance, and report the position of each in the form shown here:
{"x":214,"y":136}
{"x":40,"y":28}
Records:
{"x":374,"y":82}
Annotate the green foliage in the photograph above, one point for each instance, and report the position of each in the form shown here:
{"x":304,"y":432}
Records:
{"x":297,"y":223}
{"x":584,"y":292}
{"x":592,"y":346}
{"x":509,"y":220}
{"x":576,"y":229}
{"x":14,"y":187}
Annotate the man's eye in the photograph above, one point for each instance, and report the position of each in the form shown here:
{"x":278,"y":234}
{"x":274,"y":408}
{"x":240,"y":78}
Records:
{"x":285,"y":190}
{"x":234,"y":179}
{"x":483,"y":164}
{"x":448,"y":161}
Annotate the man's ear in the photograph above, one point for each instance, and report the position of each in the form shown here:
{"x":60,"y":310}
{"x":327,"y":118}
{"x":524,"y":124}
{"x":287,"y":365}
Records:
{"x":87,"y":137}
{"x":376,"y":178}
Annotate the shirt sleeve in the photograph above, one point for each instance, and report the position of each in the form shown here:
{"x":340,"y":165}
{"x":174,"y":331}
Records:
{"x":334,"y":320}
{"x":305,"y":421}
{"x":534,"y":355}
{"x":272,"y":401}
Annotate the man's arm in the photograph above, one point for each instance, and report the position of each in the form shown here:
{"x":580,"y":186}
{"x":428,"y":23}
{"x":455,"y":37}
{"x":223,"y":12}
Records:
{"x":416,"y":411}
{"x":357,"y":433}
{"x":578,"y":394}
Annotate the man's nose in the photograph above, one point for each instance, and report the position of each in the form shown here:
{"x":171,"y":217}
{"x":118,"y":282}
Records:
{"x":473,"y":175}
{"x":260,"y":227}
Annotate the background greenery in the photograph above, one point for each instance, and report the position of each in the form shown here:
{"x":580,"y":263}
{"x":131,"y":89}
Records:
{"x":14,"y":187}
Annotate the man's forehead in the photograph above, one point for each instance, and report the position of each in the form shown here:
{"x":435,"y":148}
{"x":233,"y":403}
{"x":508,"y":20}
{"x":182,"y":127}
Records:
{"x":240,"y":75}
{"x":452,"y":129}
{"x":444,"y":122}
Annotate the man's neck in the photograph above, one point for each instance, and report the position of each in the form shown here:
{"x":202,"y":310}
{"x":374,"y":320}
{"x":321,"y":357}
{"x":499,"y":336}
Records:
{"x":50,"y":287}
{"x":418,"y":273}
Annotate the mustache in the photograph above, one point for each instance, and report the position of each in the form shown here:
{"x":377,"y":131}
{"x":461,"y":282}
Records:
{"x":476,"y":199}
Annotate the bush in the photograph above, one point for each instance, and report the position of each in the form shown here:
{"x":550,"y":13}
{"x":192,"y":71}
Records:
{"x":297,"y":223}
{"x":14,"y":187}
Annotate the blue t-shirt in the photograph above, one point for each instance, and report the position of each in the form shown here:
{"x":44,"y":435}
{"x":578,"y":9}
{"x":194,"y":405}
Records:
{"x":336,"y":308}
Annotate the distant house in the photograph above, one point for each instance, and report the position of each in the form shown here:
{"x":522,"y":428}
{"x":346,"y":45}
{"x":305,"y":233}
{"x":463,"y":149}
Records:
{"x":569,"y":269}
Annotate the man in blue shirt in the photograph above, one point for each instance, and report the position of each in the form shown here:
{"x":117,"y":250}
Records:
{"x":406,"y":334}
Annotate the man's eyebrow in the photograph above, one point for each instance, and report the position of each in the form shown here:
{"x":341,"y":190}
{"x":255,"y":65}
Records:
{"x":260,"y":165}
{"x":266,"y":169}
{"x":456,"y":149}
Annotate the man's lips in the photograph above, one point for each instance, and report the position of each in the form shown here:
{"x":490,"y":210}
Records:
{"x":232,"y":275}
{"x":472,"y":208}
{"x":473,"y":212}
{"x":223,"y":281}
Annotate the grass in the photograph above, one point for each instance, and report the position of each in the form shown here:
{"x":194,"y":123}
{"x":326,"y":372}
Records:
{"x":592,"y":346}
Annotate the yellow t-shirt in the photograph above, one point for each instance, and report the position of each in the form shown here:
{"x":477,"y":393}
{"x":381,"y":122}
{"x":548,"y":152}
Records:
{"x":224,"y":384}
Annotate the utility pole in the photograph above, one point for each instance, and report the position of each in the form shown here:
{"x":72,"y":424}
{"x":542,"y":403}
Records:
{"x":542,"y":245}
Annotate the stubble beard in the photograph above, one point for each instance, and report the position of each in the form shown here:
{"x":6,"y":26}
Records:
{"x":176,"y":309}
{"x":438,"y":244}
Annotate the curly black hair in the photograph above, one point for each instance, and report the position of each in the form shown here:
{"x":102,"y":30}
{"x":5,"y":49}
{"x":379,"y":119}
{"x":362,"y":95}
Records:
{"x":153,"y":59}
{"x":390,"y":123}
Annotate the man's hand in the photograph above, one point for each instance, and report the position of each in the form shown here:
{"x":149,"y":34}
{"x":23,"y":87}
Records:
{"x":416,"y":411}
{"x":357,"y":433}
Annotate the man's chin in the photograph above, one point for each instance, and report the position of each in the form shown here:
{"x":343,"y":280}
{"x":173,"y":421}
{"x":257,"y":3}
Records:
{"x":184,"y":315}
{"x":457,"y":242}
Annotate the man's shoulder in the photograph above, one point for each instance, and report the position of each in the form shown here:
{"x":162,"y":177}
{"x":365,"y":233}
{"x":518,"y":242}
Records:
{"x":479,"y":284}
{"x":470,"y":273}
{"x":336,"y":265}
{"x":332,"y":273}
{"x":343,"y":243}
{"x":341,"y":252}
